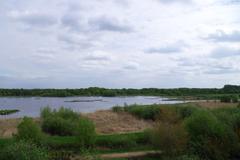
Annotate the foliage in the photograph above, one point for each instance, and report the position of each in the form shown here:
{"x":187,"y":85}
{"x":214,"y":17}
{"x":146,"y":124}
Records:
{"x":23,"y":151}
{"x":155,"y":111}
{"x":169,"y":134}
{"x":129,"y":140}
{"x":62,"y":122}
{"x":148,"y":112}
{"x":229,"y":98}
{"x":61,"y":155}
{"x":209,"y":138}
{"x":86,"y":134}
{"x":65,"y":122}
{"x":96,"y":91}
{"x":28,"y":130}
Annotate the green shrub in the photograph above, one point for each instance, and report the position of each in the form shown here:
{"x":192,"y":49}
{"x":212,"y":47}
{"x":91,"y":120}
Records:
{"x":127,"y":140}
{"x":148,"y":112}
{"x":235,"y":98}
{"x":186,"y":111}
{"x":169,"y":135}
{"x":86,"y":133}
{"x":65,"y":122}
{"x":226,"y":98}
{"x":23,"y":151}
{"x":46,"y":112}
{"x":209,"y":138}
{"x":117,"y":109}
{"x":58,"y":126}
{"x":229,"y":98}
{"x":28,"y":130}
{"x":238,"y":106}
{"x":62,"y":122}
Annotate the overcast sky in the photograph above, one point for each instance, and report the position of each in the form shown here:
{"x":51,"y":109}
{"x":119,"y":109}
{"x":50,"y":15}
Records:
{"x":119,"y":43}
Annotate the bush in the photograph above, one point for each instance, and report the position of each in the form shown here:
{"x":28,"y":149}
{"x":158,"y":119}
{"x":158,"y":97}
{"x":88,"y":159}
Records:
{"x":127,"y":140}
{"x":229,"y":98}
{"x":65,"y":122}
{"x":185,"y":111}
{"x":86,"y":133}
{"x":62,"y":122}
{"x":209,"y":138}
{"x":148,"y":112}
{"x":117,"y":109}
{"x":169,"y":134}
{"x":238,"y":106}
{"x":28,"y":130}
{"x":58,"y":126}
{"x":23,"y":151}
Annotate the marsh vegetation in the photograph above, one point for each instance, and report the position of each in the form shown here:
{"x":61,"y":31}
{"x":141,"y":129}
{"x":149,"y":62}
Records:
{"x":178,"y":132}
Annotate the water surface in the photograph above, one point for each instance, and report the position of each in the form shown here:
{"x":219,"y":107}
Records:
{"x":31,"y":106}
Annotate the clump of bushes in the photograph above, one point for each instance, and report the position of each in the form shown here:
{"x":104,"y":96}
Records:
{"x":169,"y":135}
{"x":23,"y":151}
{"x":28,"y":130}
{"x":209,"y":138}
{"x":127,"y":140}
{"x":85,"y":132}
{"x":153,"y":112}
{"x":62,"y":122}
{"x":229,"y":98}
{"x":148,"y":112}
{"x":65,"y":122}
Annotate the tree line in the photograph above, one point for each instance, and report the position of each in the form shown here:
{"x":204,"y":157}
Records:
{"x":96,"y":91}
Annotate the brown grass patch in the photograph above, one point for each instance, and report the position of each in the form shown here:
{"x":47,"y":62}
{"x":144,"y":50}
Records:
{"x":216,"y":104}
{"x":107,"y":122}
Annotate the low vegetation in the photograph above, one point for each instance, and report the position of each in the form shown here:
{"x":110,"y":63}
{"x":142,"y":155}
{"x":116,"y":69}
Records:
{"x":7,"y":111}
{"x":23,"y":151}
{"x":180,"y":132}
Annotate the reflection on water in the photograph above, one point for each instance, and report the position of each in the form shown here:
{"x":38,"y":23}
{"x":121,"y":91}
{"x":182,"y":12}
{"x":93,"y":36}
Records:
{"x":31,"y":106}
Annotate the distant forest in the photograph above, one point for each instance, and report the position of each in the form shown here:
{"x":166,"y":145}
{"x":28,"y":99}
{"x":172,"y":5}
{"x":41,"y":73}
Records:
{"x":96,"y":91}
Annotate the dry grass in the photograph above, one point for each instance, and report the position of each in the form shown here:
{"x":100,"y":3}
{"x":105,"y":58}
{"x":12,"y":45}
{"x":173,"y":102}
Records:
{"x":107,"y":122}
{"x":216,"y":104}
{"x":8,"y":127}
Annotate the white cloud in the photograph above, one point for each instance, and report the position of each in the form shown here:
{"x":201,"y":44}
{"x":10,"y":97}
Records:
{"x":105,"y":43}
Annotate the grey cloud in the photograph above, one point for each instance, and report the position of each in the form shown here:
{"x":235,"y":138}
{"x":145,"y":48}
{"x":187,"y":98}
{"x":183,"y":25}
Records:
{"x":167,"y":49}
{"x":220,"y":71}
{"x":34,"y":19}
{"x":97,"y":57}
{"x":74,"y":41}
{"x":123,"y":3}
{"x":46,"y":50}
{"x":175,"y":1}
{"x":77,"y":23}
{"x":108,"y":24}
{"x":131,"y":66}
{"x":72,"y":22}
{"x":221,"y":36}
{"x":223,"y":52}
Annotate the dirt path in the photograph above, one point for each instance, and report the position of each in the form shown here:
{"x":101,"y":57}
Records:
{"x":128,"y":154}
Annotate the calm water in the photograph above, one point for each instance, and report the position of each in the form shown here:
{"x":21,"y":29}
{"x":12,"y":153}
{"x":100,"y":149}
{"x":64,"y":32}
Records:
{"x":31,"y":106}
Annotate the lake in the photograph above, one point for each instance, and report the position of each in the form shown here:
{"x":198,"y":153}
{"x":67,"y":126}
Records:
{"x":31,"y":106}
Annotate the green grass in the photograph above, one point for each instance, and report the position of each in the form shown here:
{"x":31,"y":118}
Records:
{"x":115,"y":143}
{"x":152,"y":112}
